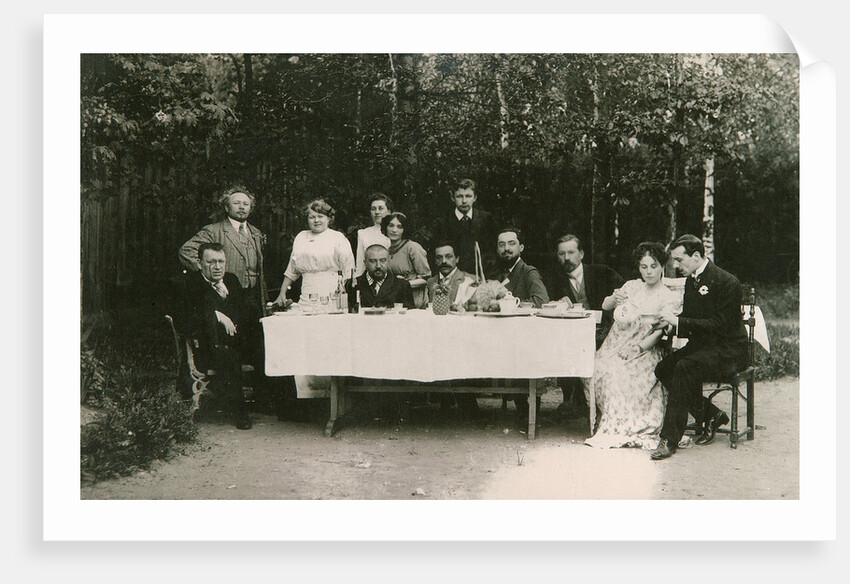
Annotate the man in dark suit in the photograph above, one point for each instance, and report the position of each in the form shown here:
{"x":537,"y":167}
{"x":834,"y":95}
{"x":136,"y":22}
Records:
{"x":243,"y":247}
{"x":717,"y":344}
{"x":467,"y":225}
{"x":379,"y":288}
{"x":521,"y":280}
{"x":575,"y":282}
{"x":214,"y":313}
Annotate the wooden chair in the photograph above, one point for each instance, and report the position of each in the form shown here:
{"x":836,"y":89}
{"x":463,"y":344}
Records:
{"x":733,"y":383}
{"x":185,"y":348}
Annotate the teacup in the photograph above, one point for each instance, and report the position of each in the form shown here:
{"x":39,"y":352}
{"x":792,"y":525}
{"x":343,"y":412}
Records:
{"x":550,"y":307}
{"x":526,"y":305}
{"x":508,"y":304}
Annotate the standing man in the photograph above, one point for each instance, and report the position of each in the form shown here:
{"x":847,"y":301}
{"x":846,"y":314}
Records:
{"x":214,"y":316}
{"x":575,"y":282}
{"x":465,"y":226}
{"x":377,"y":286}
{"x":448,"y":275}
{"x":717,"y":344}
{"x":521,"y":280}
{"x":243,"y":248}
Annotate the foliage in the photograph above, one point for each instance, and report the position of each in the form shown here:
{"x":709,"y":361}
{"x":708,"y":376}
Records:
{"x":140,"y":421}
{"x":778,"y":301}
{"x":137,"y":416}
{"x":609,"y":146}
{"x":784,"y":357}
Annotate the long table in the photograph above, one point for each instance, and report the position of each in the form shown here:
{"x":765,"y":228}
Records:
{"x":421,"y":346}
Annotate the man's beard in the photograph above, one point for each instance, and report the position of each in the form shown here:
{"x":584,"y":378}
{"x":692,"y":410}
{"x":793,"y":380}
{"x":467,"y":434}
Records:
{"x":508,"y":260}
{"x":569,"y":267}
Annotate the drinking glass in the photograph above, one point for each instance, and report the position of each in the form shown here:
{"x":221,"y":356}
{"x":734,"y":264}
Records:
{"x":313,"y":299}
{"x":324,"y":301}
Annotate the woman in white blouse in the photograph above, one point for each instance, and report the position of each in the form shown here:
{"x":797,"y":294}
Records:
{"x":380,"y":206}
{"x":318,"y":255}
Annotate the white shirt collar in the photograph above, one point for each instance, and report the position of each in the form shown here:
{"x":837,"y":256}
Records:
{"x":700,"y":269}
{"x":372,"y":281}
{"x":515,"y":263}
{"x":441,"y":278}
{"x":578,"y":273}
{"x":459,"y":215}
{"x":236,"y":224}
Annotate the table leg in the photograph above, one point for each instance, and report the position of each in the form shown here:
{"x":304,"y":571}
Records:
{"x":333,"y":423}
{"x":532,"y":408}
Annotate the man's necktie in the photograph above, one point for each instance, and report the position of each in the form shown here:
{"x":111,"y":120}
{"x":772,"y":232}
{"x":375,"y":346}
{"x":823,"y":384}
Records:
{"x":220,"y":288}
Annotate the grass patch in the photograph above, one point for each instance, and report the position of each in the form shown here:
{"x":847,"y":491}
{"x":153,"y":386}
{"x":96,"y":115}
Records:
{"x":137,"y":416}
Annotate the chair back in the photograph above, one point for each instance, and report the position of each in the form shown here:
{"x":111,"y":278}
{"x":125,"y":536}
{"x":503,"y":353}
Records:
{"x":750,"y":321}
{"x":170,"y":320}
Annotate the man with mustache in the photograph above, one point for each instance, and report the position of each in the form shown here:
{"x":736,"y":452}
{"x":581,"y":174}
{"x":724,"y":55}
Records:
{"x":522,"y":280}
{"x":379,"y":288}
{"x":214,"y":319}
{"x":448,"y":275}
{"x":574,"y":282}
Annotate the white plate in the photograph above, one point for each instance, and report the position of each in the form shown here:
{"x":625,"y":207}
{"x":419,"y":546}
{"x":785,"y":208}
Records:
{"x":502,"y":313}
{"x":563,"y":314}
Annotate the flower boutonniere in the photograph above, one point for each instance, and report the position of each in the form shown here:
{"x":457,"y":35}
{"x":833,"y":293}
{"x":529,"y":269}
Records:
{"x":703,"y":290}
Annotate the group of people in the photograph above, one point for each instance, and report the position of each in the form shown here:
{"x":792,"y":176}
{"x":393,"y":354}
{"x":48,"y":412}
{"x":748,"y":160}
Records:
{"x":640,"y":394}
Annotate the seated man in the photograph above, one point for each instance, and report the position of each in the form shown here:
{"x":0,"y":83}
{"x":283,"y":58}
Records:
{"x":214,"y":305}
{"x":448,"y":275}
{"x":521,"y":280}
{"x":376,"y":288}
{"x":575,"y":282}
{"x":717,"y":344}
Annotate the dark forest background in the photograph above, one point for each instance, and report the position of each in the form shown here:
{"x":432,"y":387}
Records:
{"x":611,"y":147}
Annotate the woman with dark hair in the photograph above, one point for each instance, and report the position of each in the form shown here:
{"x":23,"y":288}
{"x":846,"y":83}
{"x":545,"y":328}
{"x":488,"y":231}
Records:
{"x":624,"y":389}
{"x":408,"y":259}
{"x":318,"y":254}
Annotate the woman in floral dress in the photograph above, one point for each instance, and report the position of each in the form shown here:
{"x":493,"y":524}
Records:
{"x":624,"y":390}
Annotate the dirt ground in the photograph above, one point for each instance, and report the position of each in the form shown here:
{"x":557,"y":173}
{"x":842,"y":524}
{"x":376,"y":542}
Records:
{"x":439,"y":457}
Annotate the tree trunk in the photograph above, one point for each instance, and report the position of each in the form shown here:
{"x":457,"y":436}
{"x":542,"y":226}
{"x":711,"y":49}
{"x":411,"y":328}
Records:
{"x":503,"y":112}
{"x":708,"y":209}
{"x":594,"y":181}
{"x":394,"y":101}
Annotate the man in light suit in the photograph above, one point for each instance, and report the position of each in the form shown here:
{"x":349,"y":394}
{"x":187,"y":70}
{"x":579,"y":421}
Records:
{"x":378,"y":288}
{"x":717,"y":344}
{"x":465,"y":226}
{"x":243,"y":249}
{"x":521,"y":280}
{"x":448,"y":275}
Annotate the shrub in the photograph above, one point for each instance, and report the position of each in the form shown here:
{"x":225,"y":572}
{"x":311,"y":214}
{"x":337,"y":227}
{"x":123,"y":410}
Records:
{"x":141,"y":420}
{"x":784,"y":357}
{"x":778,"y":301}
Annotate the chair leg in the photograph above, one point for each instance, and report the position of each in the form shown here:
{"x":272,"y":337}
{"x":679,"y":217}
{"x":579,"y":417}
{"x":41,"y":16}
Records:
{"x":751,"y":408}
{"x":733,"y":435}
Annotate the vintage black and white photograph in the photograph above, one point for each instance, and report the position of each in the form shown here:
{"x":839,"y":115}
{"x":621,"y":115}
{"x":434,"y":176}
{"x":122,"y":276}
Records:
{"x":447,"y":276}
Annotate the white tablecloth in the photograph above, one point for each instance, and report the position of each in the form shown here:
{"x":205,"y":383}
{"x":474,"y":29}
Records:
{"x":421,"y":346}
